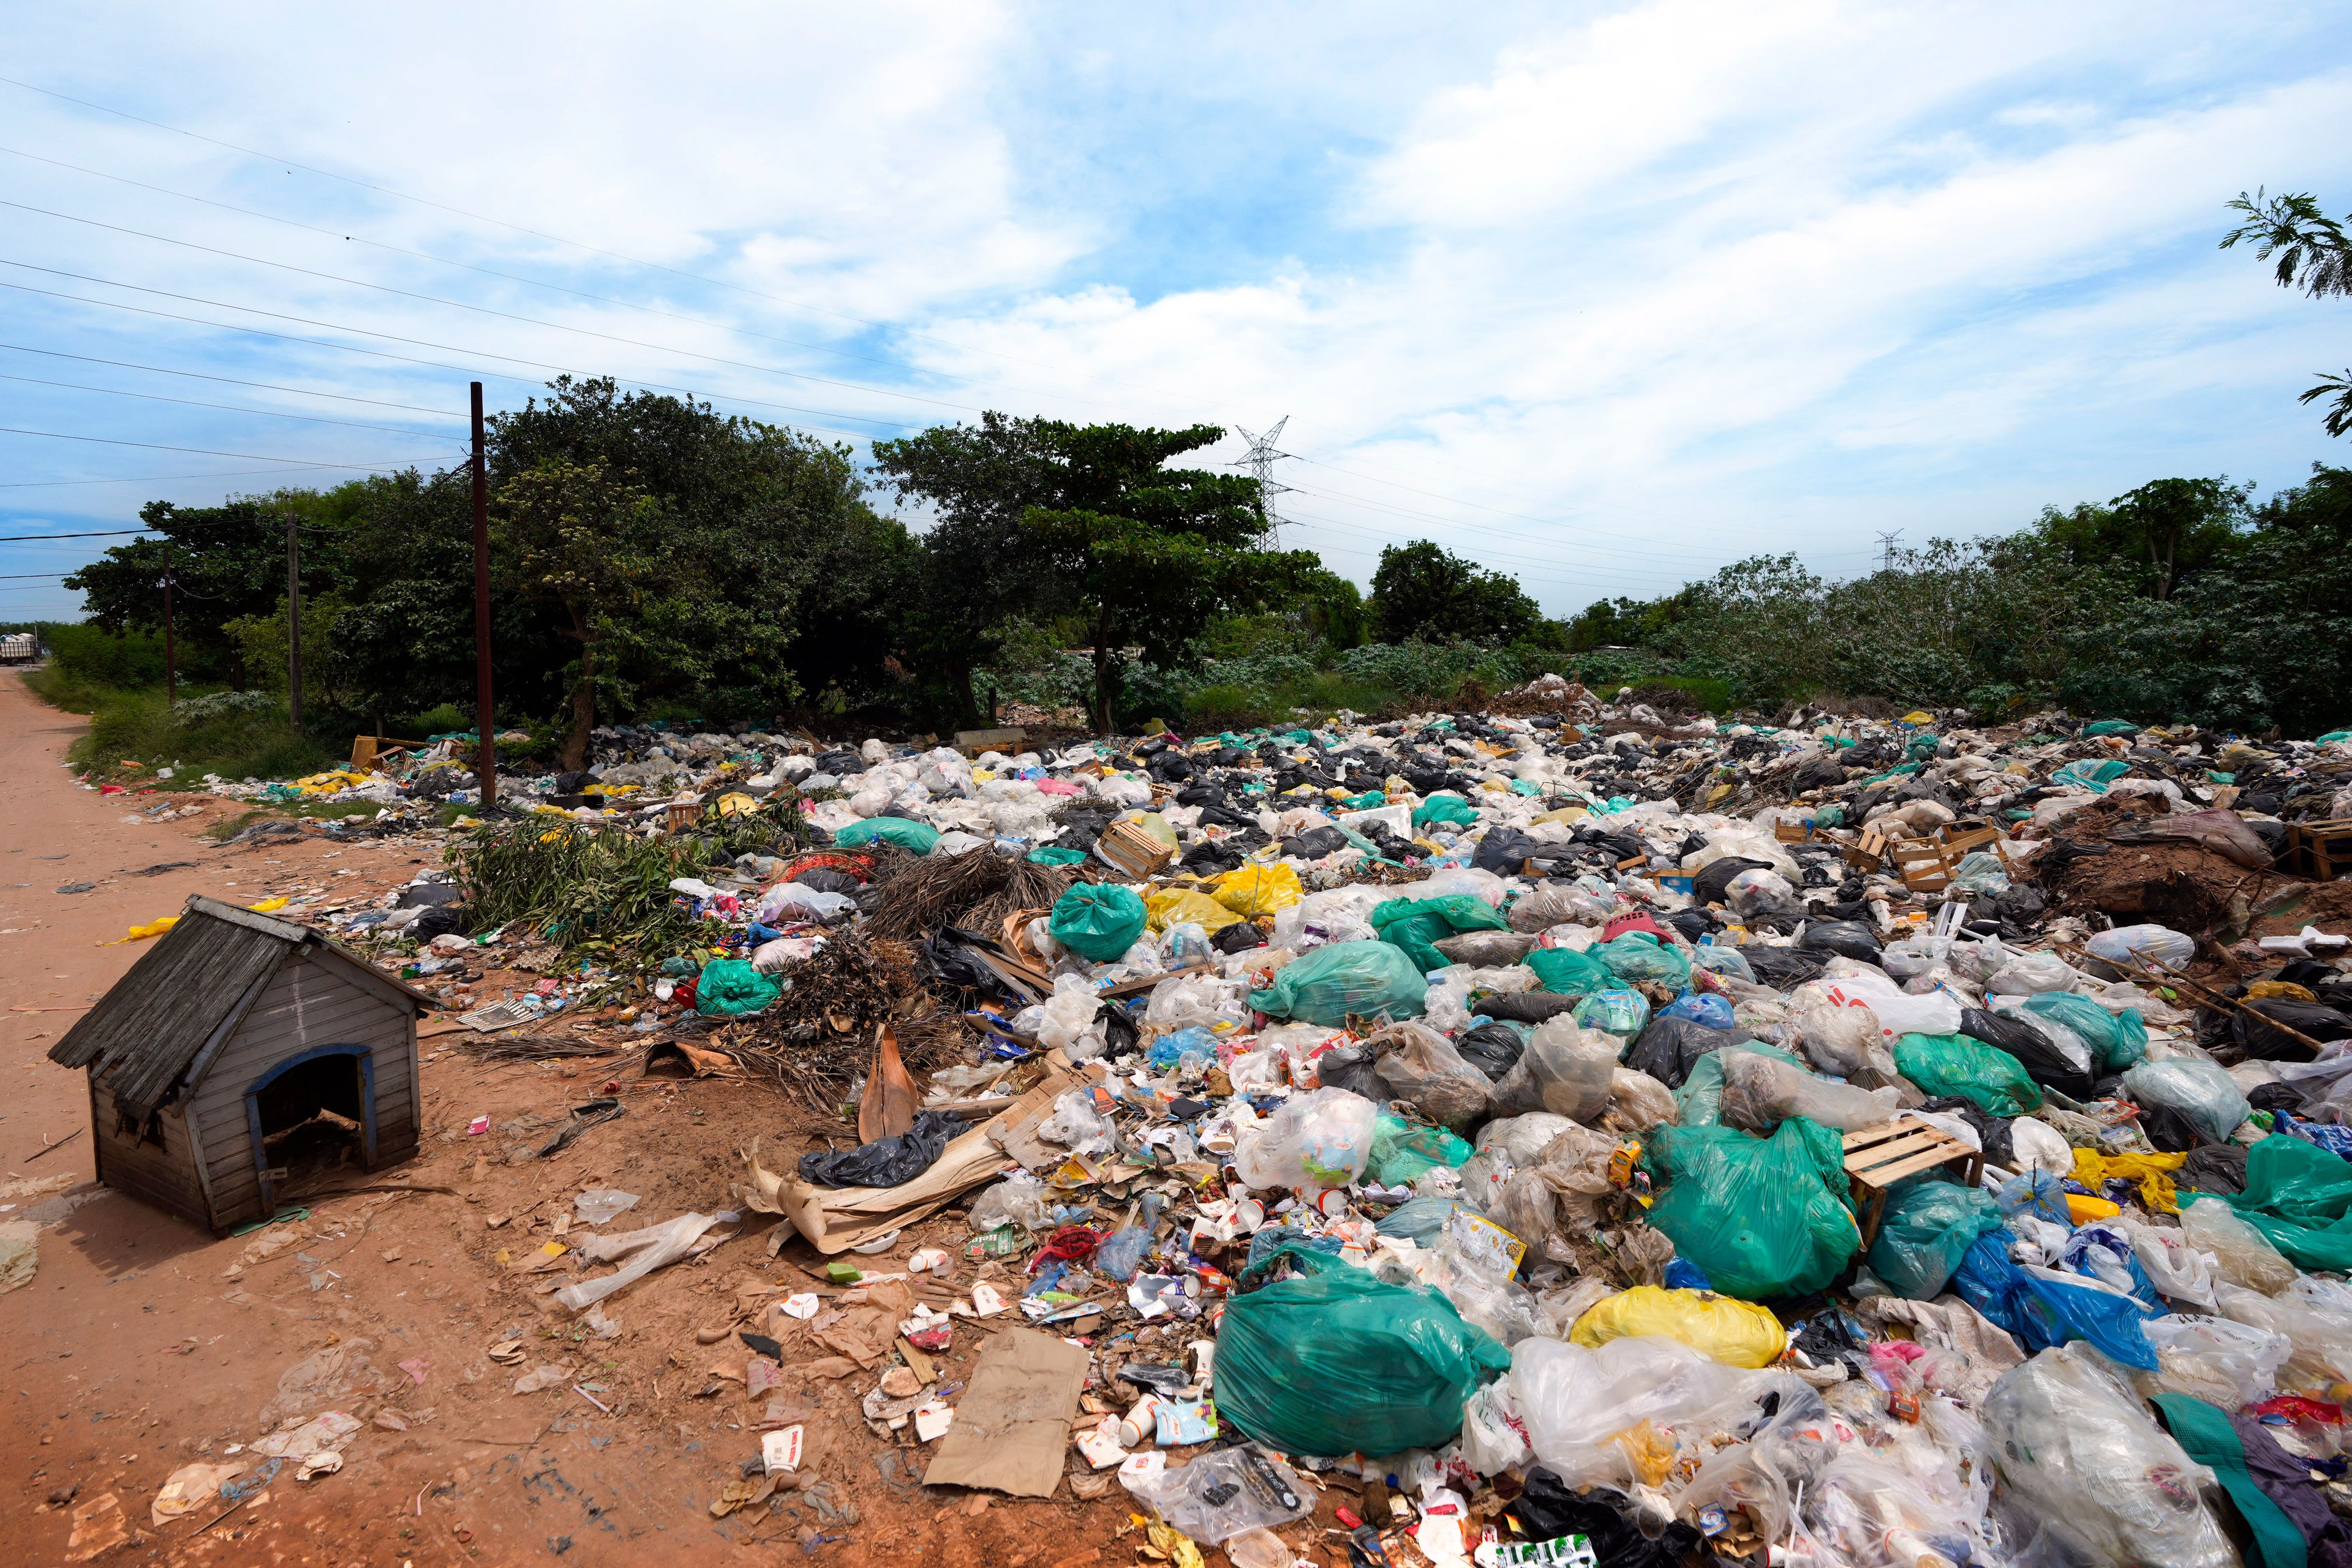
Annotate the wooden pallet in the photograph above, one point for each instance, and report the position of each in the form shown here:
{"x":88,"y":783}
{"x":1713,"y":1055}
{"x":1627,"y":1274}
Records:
{"x":1129,"y":849}
{"x":1878,"y":1157}
{"x":2320,"y":851}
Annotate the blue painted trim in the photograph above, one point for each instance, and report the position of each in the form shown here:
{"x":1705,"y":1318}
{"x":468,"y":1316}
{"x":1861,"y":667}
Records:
{"x":366,"y":1055}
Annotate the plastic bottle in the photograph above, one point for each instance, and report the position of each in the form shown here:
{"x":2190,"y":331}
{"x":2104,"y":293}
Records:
{"x":1122,"y":1255}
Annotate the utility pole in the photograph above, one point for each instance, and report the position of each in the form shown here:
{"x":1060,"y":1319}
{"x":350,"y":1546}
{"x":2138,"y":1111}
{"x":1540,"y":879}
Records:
{"x":170,"y":666}
{"x":486,"y":765}
{"x":294,"y":621}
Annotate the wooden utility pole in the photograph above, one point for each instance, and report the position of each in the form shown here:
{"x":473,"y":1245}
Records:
{"x":170,"y":666}
{"x":487,"y":764}
{"x":294,"y":621}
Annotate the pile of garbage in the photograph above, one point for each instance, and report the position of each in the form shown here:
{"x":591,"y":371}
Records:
{"x":1583,"y":1133}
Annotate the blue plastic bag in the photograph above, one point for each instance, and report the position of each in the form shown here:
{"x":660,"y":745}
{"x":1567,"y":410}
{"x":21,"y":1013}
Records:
{"x":2041,"y":1312}
{"x":1709,"y":1007}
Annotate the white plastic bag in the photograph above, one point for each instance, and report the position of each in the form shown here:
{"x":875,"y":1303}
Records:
{"x":1491,"y":1439}
{"x":2120,"y":946}
{"x":1575,"y":1401}
{"x":2227,"y":1363}
{"x":796,"y":901}
{"x":2041,"y":1147}
{"x":1317,"y":1141}
{"x":1833,"y":1029}
{"x":2027,"y":974}
{"x":1077,"y":1125}
{"x":2321,"y":1337}
{"x":1069,"y":1017}
{"x":2176,"y":1268}
{"x":647,"y":1250}
{"x":1849,"y":984}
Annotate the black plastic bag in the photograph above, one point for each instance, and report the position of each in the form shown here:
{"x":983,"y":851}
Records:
{"x":1783,"y":968}
{"x":2275,"y":1098}
{"x":2259,"y":1039}
{"x":1493,"y":1047}
{"x":2170,"y":1129}
{"x":1524,"y":1006}
{"x":1992,"y":1131}
{"x":2043,"y":1062}
{"x":1351,"y":1068}
{"x":2213,"y":1168}
{"x":1707,"y":887}
{"x":1238,"y":937}
{"x":1505,"y":850}
{"x":1316,"y":843}
{"x":828,"y":879}
{"x":1847,"y":939}
{"x":886,"y":1162}
{"x":442,"y":920}
{"x":1669,"y":1048}
{"x":1548,"y":1509}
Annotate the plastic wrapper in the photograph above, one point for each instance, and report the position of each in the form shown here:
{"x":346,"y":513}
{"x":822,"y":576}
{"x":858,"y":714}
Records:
{"x":1575,"y":1401}
{"x":2241,"y":1255}
{"x":2201,"y":1092}
{"x":2226,"y":1362}
{"x":1225,"y":1493}
{"x":1992,"y":1079}
{"x":1759,"y":1217}
{"x":1737,"y":1333}
{"x":1420,"y":1065}
{"x":1620,"y":1012}
{"x":1315,"y":1141}
{"x":1926,"y":1229}
{"x":2320,"y":1335}
{"x":1566,"y":1070}
{"x":654,"y":1246}
{"x":2081,"y":1456}
{"x":1760,"y":1093}
{"x":1325,"y":985}
{"x":1336,"y":1362}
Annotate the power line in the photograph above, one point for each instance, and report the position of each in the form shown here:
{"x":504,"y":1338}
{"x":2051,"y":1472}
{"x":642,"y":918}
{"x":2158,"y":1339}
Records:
{"x":203,"y":451}
{"x":99,"y":534}
{"x":158,"y":478}
{"x":226,"y":407}
{"x":387,"y":354}
{"x":230,"y":379}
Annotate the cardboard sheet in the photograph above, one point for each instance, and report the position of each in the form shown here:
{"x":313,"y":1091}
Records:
{"x":1014,"y":1421}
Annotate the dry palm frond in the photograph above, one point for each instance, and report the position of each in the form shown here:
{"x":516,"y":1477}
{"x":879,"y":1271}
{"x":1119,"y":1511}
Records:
{"x":918,"y":896}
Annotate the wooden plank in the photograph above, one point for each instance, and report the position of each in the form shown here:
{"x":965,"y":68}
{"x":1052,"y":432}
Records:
{"x":1926,"y":1161}
{"x":1871,"y":1138}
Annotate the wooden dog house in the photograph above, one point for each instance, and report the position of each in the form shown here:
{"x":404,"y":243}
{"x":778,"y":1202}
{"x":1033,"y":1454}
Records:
{"x":233,"y":1030}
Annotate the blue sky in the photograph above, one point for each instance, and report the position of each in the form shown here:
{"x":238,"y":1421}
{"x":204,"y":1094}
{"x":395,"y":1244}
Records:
{"x":1606,"y":297}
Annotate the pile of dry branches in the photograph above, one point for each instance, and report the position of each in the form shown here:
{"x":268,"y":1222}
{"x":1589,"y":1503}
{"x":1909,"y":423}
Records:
{"x":817,"y":1039}
{"x":918,"y":895}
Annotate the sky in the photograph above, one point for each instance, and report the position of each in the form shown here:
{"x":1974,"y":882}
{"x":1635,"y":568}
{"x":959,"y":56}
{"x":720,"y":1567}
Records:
{"x":1605,"y":297}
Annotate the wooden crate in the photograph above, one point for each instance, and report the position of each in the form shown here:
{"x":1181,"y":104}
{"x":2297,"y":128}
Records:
{"x":1129,"y":849}
{"x":367,"y":751}
{"x":1924,"y":865}
{"x":2320,"y":851}
{"x":684,"y":815}
{"x":1867,"y":853}
{"x":1959,"y":837}
{"x":1878,"y":1157}
{"x":1792,"y":832}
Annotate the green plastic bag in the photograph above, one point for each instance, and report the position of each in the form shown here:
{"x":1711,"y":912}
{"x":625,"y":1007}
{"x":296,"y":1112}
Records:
{"x":2298,"y":1195}
{"x":1445,"y":807}
{"x":1994,"y":1081}
{"x":1760,"y":1217}
{"x":2109,"y":727}
{"x":1325,"y":985}
{"x":2120,"y":1039}
{"x":915,"y":838}
{"x":1926,"y":1231}
{"x":728,"y":988}
{"x":1370,"y":800}
{"x":1097,"y":920}
{"x":1637,"y":956}
{"x":1402,"y":1150}
{"x":1054,"y":855}
{"x":2090,"y":776}
{"x":1417,"y":924}
{"x":1569,"y":973}
{"x":1699,"y":1101}
{"x":1336,"y":1362}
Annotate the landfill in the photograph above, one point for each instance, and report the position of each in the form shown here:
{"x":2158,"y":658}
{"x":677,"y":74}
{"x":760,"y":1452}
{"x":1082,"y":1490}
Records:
{"x":1567,"y":1132}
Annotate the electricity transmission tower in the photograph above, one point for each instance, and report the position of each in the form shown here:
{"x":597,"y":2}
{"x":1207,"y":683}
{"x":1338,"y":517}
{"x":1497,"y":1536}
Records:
{"x":1887,"y":550}
{"x":1259,"y":460}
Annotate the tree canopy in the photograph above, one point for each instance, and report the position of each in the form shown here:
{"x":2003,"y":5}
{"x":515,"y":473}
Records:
{"x":1423,"y":592}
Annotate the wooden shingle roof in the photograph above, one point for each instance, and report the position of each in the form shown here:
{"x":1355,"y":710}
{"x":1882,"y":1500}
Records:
{"x":146,"y":1031}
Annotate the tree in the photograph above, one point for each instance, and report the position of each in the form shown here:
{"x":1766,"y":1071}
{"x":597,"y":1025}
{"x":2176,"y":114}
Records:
{"x":1151,"y":553}
{"x":590,"y":544}
{"x":2158,"y":535}
{"x":2314,"y":254}
{"x":1425,"y":591}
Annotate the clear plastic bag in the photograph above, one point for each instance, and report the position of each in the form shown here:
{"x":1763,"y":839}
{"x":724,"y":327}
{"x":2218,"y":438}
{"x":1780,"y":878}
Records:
{"x":1574,"y":1402}
{"x":2243,"y":1256}
{"x":2218,"y":1360}
{"x":1555,"y":1198}
{"x":1567,"y":1069}
{"x":1759,"y":894}
{"x":1317,"y":1141}
{"x":1420,"y":1065}
{"x":1640,"y":1100}
{"x":647,"y":1250}
{"x":2201,"y":1090}
{"x":1194,"y":1001}
{"x":2118,"y":948}
{"x":2321,"y":1336}
{"x":2178,"y":1269}
{"x":1492,"y":1441}
{"x":2027,"y":974}
{"x":1224,"y":1494}
{"x":1835,"y":1031}
{"x":1760,"y":1093}
{"x":1019,"y":1199}
{"x":2078,"y":1453}
{"x":1070,"y":1016}
{"x":1077,"y":1125}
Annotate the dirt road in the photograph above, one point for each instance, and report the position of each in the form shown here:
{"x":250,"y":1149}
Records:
{"x":139,"y":1345}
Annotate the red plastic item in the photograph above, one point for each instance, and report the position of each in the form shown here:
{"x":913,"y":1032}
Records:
{"x":2295,"y":1407}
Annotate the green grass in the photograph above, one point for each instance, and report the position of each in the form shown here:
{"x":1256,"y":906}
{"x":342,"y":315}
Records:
{"x":139,"y":728}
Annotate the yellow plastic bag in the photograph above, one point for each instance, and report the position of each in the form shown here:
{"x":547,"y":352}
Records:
{"x":1737,"y":1333}
{"x":1255,"y":890}
{"x":151,"y":929}
{"x":2082,"y":1210}
{"x":1174,"y":905}
{"x":2152,"y":1172}
{"x":737,"y":804}
{"x":268,"y":906}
